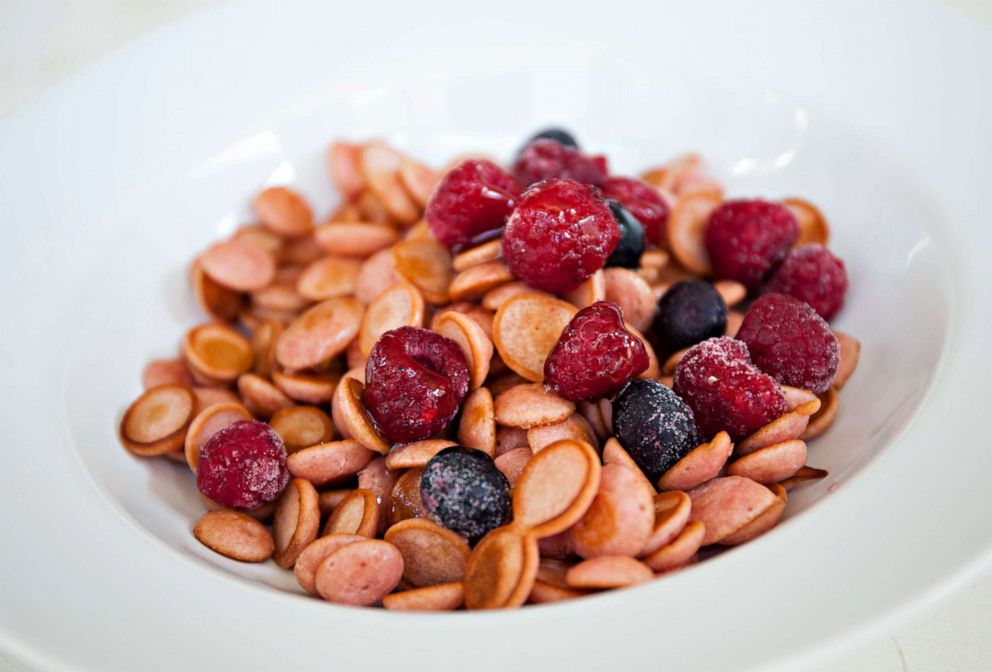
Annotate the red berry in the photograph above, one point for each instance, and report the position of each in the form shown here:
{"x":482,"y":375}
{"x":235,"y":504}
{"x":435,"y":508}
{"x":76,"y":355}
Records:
{"x":812,"y":274}
{"x":243,"y":466}
{"x":725,"y":390}
{"x":747,"y":239}
{"x":543,"y":158}
{"x":643,"y":202}
{"x":472,"y":200}
{"x":415,"y":380}
{"x":787,"y":339}
{"x":560,"y":233}
{"x":595,"y":356}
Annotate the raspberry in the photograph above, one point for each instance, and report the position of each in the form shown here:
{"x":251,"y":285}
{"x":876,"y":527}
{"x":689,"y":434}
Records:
{"x":627,"y":253}
{"x":462,"y":489}
{"x":812,"y":274}
{"x":546,"y":158}
{"x":654,"y":425}
{"x":725,"y":390}
{"x":747,"y":239}
{"x":472,"y":200}
{"x":415,"y":382}
{"x":788,"y":340}
{"x":689,"y":312}
{"x":560,"y":233}
{"x":644,"y":202}
{"x":595,"y":355}
{"x":243,"y":466}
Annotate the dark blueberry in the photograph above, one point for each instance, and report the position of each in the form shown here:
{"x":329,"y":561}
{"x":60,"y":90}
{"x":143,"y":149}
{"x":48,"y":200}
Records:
{"x":688,"y":313}
{"x":654,"y":425}
{"x":559,"y":135}
{"x":463,"y":490}
{"x":628,"y":251}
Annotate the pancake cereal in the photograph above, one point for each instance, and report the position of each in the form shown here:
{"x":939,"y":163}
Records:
{"x":488,"y":385}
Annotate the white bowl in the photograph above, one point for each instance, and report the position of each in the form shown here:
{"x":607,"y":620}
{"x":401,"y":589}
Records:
{"x":112,"y":181}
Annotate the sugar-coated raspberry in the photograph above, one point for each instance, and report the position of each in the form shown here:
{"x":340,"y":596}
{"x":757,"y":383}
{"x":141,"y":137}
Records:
{"x":788,"y":340}
{"x":747,"y":239}
{"x":560,"y":233}
{"x":643,"y":201}
{"x":546,"y":158}
{"x":243,"y":466}
{"x":415,"y":381}
{"x":814,"y":275}
{"x":595,"y":355}
{"x":654,"y":425}
{"x":725,"y":390}
{"x":627,"y":253}
{"x":690,"y":311}
{"x":472,"y":200}
{"x":463,"y":490}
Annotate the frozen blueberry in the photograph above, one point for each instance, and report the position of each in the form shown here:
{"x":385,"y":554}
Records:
{"x":559,"y":135}
{"x":689,"y":312}
{"x":628,"y":251}
{"x":462,"y":489}
{"x":654,"y":425}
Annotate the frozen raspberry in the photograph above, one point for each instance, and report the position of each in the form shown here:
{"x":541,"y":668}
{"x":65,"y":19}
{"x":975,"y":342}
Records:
{"x":654,"y":425}
{"x":559,"y":135}
{"x":689,"y":312}
{"x":788,"y":340}
{"x":415,"y":380}
{"x":747,"y":239}
{"x":560,"y":233}
{"x":644,"y":202}
{"x":545,"y":158}
{"x":812,"y":274}
{"x":243,"y":466}
{"x":725,"y":390}
{"x":472,"y":200}
{"x":462,"y":489}
{"x":627,"y":253}
{"x":595,"y":355}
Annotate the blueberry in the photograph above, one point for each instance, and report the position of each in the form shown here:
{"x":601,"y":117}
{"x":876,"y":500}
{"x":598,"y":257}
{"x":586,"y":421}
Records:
{"x":559,"y":135}
{"x":628,"y":251}
{"x":463,"y":490}
{"x":654,"y":426}
{"x":688,"y":313}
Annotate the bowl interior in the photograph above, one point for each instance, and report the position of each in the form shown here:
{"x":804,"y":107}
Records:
{"x":759,"y":142}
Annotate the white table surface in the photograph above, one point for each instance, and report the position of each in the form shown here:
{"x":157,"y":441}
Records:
{"x":42,"y":41}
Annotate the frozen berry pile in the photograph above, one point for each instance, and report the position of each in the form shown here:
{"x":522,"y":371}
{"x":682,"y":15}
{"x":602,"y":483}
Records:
{"x":500,"y":383}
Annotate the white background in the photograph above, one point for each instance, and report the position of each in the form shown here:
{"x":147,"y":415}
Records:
{"x":42,"y":41}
